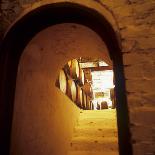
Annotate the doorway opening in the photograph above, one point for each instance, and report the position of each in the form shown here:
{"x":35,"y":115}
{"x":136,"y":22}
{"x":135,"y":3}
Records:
{"x":89,"y":83}
{"x":15,"y":41}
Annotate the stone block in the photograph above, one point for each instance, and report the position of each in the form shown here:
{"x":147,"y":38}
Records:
{"x":145,"y":148}
{"x":137,"y":100}
{"x":146,"y":42}
{"x":131,"y":58}
{"x":144,"y":57}
{"x":133,"y":72}
{"x":148,"y":99}
{"x":134,"y":100}
{"x":124,"y":22}
{"x":132,"y":30}
{"x":141,"y":86}
{"x":138,"y":66}
{"x":143,"y":116}
{"x":112,"y":3}
{"x":124,"y":11}
{"x":128,"y":45}
{"x":5,"y":4}
{"x":148,"y":70}
{"x":143,"y":7}
{"x":146,"y":17}
{"x":143,"y":133}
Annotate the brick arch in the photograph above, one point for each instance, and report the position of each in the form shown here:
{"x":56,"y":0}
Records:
{"x":30,"y":24}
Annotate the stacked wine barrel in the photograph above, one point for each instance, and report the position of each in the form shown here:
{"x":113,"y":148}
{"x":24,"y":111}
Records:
{"x":71,"y":82}
{"x":113,"y":98}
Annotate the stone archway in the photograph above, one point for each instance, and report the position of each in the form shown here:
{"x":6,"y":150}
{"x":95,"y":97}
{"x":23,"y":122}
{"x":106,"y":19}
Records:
{"x":45,"y":16}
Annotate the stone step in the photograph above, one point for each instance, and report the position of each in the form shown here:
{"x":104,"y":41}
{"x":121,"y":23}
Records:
{"x":94,"y":144}
{"x":96,"y":118}
{"x":93,"y":153}
{"x":107,"y":123}
{"x":98,"y":114}
{"x":95,"y":132}
{"x":96,"y":111}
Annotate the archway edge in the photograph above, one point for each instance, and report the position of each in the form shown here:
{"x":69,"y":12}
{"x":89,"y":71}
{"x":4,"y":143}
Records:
{"x":101,"y":8}
{"x":25,"y":28}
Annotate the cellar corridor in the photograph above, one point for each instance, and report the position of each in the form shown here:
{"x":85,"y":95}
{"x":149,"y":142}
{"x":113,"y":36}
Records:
{"x":89,"y":84}
{"x":39,"y":115}
{"x":95,"y":133}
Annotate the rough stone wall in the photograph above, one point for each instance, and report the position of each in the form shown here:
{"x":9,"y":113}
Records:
{"x":138,"y":40}
{"x":136,"y":23}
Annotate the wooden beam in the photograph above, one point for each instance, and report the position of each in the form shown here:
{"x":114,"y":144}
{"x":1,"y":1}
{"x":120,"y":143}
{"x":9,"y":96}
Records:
{"x":88,"y":65}
{"x":101,"y":68}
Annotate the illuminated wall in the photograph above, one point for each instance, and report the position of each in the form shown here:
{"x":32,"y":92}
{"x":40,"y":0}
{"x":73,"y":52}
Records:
{"x":44,"y":117}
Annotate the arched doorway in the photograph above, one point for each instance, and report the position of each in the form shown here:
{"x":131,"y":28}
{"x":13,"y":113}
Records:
{"x":22,"y":32}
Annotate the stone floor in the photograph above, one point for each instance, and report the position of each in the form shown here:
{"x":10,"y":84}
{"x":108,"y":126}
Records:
{"x":95,"y":133}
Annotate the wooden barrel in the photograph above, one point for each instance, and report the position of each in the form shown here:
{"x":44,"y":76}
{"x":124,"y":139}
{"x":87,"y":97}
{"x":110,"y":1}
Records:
{"x":69,"y":63}
{"x":92,"y":107}
{"x":81,"y":77}
{"x":62,"y":81}
{"x":88,"y":102}
{"x":87,"y":89}
{"x":104,"y":105}
{"x":88,"y":75}
{"x":74,"y":69}
{"x":72,"y":90}
{"x":84,"y":103}
{"x":67,"y":67}
{"x":98,"y":106}
{"x":79,"y":98}
{"x":113,"y":98}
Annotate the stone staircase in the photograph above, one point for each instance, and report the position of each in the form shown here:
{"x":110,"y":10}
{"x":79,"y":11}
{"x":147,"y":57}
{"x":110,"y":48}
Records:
{"x":95,"y":133}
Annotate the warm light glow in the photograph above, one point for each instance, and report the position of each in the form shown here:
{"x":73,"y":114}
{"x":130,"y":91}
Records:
{"x":102,"y":82}
{"x":102,"y":63}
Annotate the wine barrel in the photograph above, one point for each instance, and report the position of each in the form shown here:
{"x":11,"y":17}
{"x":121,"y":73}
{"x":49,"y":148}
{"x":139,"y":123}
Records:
{"x":74,"y":69}
{"x":98,"y":106}
{"x":84,"y":103}
{"x":87,"y":89}
{"x":67,"y":67}
{"x":81,"y":76}
{"x":113,"y":98}
{"x":88,"y":102}
{"x":91,"y":105}
{"x":62,"y":81}
{"x":104,"y":105}
{"x":69,"y":63}
{"x":79,"y":99}
{"x":72,"y":90}
{"x":88,"y":75}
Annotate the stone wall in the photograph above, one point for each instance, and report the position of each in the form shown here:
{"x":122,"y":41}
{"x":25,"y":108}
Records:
{"x":135,"y":20}
{"x":138,"y":37}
